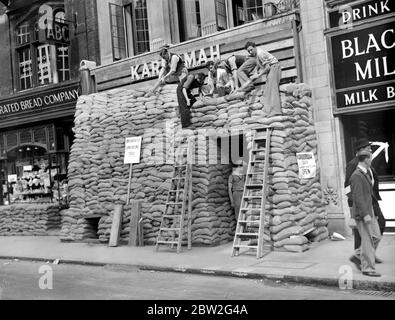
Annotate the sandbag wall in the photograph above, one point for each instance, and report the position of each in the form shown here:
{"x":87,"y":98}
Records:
{"x":98,"y":178}
{"x":29,"y":220}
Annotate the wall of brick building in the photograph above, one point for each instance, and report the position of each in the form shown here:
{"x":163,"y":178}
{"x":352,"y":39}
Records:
{"x":329,"y":130}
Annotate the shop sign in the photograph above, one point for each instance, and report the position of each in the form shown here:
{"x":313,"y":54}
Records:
{"x":192,"y":59}
{"x":307,"y":165}
{"x":363,"y":65}
{"x":36,"y":102}
{"x":132,"y":150}
{"x":56,"y":33}
{"x":12,"y":178}
{"x":346,"y":15}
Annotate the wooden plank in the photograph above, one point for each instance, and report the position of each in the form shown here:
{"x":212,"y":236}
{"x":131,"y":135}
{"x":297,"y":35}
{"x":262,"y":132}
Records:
{"x":134,"y":222}
{"x":116,"y":226}
{"x":140,"y":232}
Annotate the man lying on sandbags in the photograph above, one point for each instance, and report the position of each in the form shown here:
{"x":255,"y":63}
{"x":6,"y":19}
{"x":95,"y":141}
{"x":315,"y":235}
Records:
{"x":227,"y":79}
{"x":262,"y":62}
{"x":173,"y":69}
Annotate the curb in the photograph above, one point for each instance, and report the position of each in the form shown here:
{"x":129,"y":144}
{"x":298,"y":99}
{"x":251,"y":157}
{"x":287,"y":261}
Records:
{"x":301,"y":280}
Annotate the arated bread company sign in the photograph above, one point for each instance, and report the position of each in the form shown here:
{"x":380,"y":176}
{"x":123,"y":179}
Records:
{"x":192,"y":59}
{"x":38,"y":101}
{"x":363,"y":67}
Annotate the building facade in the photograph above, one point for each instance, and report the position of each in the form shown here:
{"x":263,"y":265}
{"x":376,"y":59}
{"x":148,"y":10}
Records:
{"x":42,"y":44}
{"x":123,"y":38}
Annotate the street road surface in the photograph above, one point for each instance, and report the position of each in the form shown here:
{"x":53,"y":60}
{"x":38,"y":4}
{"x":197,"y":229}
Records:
{"x":22,"y":280}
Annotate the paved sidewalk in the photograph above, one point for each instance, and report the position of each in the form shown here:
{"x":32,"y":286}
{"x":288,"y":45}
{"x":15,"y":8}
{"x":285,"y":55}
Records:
{"x":323,"y":264}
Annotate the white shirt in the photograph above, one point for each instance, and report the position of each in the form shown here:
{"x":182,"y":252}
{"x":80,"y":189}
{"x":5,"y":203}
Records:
{"x":365,"y":171}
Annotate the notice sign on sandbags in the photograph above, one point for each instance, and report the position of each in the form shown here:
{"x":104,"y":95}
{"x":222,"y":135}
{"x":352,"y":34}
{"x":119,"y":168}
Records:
{"x":132,"y":150}
{"x":307,"y":165}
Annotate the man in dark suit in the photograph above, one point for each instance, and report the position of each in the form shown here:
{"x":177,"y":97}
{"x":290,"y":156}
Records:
{"x":364,"y":145}
{"x":362,"y":211}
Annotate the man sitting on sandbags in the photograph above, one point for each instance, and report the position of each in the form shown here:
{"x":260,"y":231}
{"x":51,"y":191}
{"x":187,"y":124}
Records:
{"x":173,"y":69}
{"x":262,"y":62}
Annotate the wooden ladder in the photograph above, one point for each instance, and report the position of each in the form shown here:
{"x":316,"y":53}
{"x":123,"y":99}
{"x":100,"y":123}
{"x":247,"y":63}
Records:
{"x":251,"y":217}
{"x":179,"y":200}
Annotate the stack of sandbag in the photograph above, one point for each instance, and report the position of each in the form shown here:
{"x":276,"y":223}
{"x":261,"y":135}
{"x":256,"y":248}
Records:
{"x":98,"y":179}
{"x":29,"y":220}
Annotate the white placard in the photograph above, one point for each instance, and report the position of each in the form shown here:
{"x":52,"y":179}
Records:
{"x":132,"y":150}
{"x":12,"y":178}
{"x":27,"y":168}
{"x":307,"y":165}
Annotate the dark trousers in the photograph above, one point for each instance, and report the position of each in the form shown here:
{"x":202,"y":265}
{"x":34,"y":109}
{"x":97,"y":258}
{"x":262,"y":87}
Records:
{"x":381,"y":220}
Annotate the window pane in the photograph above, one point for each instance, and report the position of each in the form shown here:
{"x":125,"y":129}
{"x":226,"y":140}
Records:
{"x":220,"y":8}
{"x":140,"y":26}
{"x":63,"y":63}
{"x":23,"y":34}
{"x":25,"y":68}
{"x":117,"y":32}
{"x":44,"y":73}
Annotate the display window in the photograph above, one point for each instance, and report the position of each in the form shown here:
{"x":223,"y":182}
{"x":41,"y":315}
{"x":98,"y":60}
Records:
{"x":31,"y":175}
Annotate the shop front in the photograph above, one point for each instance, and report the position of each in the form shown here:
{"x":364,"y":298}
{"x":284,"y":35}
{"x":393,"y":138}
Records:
{"x":35,"y":138}
{"x":361,"y":39}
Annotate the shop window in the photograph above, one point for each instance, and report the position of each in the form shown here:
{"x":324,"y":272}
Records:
{"x":118,"y":35}
{"x":40,"y":61}
{"x":221,"y":14}
{"x":191,"y":19}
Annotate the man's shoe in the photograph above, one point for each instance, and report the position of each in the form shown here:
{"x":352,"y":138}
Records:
{"x":378,"y":260}
{"x":371,"y":273}
{"x":355,"y":260}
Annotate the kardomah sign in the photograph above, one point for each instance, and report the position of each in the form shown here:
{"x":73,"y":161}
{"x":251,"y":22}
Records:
{"x":363,"y":68}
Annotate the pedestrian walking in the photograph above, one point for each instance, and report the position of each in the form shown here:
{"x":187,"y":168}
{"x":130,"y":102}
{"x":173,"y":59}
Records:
{"x":363,"y":145}
{"x":362,"y":211}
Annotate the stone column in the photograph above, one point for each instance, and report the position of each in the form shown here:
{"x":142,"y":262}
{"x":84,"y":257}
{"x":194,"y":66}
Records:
{"x":329,"y":129}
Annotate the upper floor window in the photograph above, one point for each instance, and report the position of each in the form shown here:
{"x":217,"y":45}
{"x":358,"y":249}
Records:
{"x":139,"y":15}
{"x":221,"y":14}
{"x":118,"y":36}
{"x":40,"y":61}
{"x":191,"y":19}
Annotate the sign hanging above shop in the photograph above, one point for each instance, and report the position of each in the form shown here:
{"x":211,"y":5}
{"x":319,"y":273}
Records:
{"x":363,"y":65}
{"x":346,"y":15}
{"x":192,"y":59}
{"x":38,"y":101}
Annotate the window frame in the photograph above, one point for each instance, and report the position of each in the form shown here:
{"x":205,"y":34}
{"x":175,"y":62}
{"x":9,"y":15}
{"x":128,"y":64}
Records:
{"x":33,"y":45}
{"x":122,"y":51}
{"x":217,"y":15}
{"x":135,"y":29}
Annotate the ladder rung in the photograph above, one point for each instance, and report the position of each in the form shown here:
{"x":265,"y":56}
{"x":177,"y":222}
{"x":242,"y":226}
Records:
{"x":169,"y":229}
{"x":243,"y":234}
{"x":174,"y":203}
{"x":260,"y":138}
{"x":254,"y":173}
{"x":258,"y":150}
{"x":252,"y":197}
{"x":259,"y":161}
{"x":254,"y":185}
{"x":166,"y":242}
{"x":250,"y":209}
{"x":175,"y":191}
{"x":249,"y":221}
{"x":178,"y":178}
{"x":245,"y":246}
{"x":171,"y":216}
